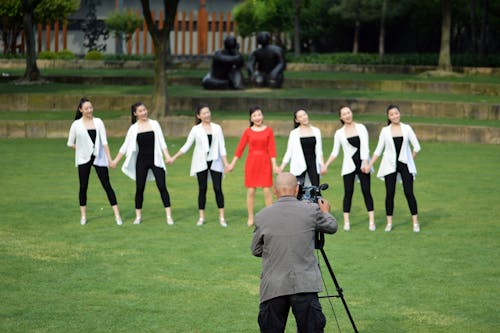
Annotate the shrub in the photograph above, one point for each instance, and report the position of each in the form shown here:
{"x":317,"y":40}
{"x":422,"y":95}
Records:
{"x":49,"y":55}
{"x":125,"y":57}
{"x":65,"y":55}
{"x":93,"y":55}
{"x":399,"y":59}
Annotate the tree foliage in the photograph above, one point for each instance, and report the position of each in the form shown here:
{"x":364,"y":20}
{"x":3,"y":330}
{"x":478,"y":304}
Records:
{"x":275,"y":16}
{"x":11,"y":14}
{"x":53,"y":10}
{"x":125,"y":22}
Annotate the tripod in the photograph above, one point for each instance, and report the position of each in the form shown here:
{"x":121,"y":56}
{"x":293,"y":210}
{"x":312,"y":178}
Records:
{"x":320,"y":242}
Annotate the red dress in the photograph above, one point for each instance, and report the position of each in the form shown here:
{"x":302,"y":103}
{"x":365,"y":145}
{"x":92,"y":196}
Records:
{"x":261,"y":148}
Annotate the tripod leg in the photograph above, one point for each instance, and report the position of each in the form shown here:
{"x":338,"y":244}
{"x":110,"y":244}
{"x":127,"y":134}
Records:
{"x":339,"y":289}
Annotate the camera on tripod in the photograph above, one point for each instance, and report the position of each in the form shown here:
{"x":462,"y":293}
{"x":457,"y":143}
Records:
{"x":313,"y":194}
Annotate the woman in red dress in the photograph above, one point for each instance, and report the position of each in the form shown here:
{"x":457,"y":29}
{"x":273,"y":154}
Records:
{"x":261,"y":159}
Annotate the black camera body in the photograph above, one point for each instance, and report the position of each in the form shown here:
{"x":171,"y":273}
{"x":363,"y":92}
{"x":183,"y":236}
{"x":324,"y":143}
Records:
{"x":313,"y":194}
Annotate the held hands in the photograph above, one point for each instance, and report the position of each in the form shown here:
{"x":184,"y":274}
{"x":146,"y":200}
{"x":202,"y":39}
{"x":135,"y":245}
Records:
{"x":323,"y":169}
{"x":169,"y":159}
{"x":229,"y":167}
{"x":113,"y":164}
{"x":366,"y":168}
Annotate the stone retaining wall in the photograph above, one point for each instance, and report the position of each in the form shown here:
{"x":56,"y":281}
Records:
{"x":205,"y":62}
{"x":180,"y":126}
{"x":486,"y":89}
{"x":43,"y":102}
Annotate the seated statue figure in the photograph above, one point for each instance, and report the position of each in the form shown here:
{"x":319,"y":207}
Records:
{"x":226,"y":67}
{"x":267,"y":63}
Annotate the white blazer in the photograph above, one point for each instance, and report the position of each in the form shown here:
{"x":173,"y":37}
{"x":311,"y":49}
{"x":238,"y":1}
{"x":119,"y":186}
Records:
{"x":131,"y":150}
{"x":349,"y":150}
{"x":295,"y":155}
{"x":202,"y":151}
{"x":84,"y":147}
{"x":386,"y":143}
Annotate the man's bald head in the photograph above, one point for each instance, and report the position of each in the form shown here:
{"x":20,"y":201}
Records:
{"x":285,"y":184}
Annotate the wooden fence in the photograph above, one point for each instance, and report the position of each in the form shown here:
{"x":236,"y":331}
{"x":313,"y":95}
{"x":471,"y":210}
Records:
{"x":193,"y":33}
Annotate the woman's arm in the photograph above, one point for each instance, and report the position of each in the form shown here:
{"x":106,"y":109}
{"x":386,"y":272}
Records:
{"x":288,"y":153}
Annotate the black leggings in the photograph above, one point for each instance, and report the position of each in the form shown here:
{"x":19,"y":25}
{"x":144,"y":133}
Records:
{"x":313,"y":176}
{"x":202,"y":187}
{"x":364,"y":179}
{"x":102,"y":173}
{"x":310,"y":170}
{"x":390,"y":188}
{"x":141,"y":172}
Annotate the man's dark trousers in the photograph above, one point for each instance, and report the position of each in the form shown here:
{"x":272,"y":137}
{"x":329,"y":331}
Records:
{"x":306,"y":308}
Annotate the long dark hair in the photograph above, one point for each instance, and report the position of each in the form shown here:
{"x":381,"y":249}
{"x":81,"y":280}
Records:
{"x":78,"y":114}
{"x":251,"y":110}
{"x":197,"y":112}
{"x":295,"y":123}
{"x":340,"y":109}
{"x":391,"y":106}
{"x":133,"y":108}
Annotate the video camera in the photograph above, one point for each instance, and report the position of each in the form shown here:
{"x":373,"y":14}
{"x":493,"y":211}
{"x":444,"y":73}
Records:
{"x":313,"y":194}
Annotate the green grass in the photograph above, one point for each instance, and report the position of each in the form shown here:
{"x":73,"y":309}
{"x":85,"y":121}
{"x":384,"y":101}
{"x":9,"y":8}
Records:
{"x":195,"y":91}
{"x":57,"y":276}
{"x":318,"y":75}
{"x":237,"y":114}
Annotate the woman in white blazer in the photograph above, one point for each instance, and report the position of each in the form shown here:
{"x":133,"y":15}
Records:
{"x":208,"y":161}
{"x":145,"y":148}
{"x":397,"y":163}
{"x":353,"y":137}
{"x":304,"y":150}
{"x":87,"y":136}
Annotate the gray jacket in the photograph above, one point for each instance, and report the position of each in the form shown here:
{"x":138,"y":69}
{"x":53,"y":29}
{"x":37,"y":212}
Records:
{"x":284,"y":238}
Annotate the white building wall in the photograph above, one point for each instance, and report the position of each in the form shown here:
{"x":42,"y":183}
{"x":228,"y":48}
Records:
{"x":75,"y":37}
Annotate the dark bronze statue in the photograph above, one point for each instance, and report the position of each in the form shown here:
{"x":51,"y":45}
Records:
{"x":226,"y":67}
{"x":267,"y":63}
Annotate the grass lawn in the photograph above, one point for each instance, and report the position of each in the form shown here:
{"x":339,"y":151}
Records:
{"x":198,"y":91}
{"x":318,"y":75}
{"x":238,"y":114}
{"x":58,"y":276}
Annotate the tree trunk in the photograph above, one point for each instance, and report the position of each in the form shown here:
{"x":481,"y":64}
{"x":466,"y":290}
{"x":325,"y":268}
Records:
{"x":484,"y":26}
{"x":296,"y":23}
{"x":444,"y":52}
{"x":119,"y":35}
{"x":161,"y":40}
{"x":160,"y":96}
{"x":381,"y":37}
{"x":473,"y":39}
{"x":355,"y":44}
{"x":32,"y":72}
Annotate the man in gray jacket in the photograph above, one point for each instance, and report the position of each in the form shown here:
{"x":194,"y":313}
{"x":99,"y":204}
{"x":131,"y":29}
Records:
{"x":284,"y":237}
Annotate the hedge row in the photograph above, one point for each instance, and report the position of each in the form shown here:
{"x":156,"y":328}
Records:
{"x":402,"y":59}
{"x":413,"y":59}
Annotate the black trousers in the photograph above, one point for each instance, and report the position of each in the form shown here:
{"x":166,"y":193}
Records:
{"x":390,"y":189}
{"x":102,"y":173}
{"x":364,"y":180}
{"x":202,"y":187}
{"x":306,"y":310}
{"x":141,"y":172}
